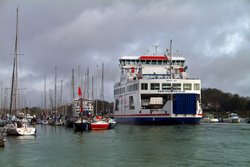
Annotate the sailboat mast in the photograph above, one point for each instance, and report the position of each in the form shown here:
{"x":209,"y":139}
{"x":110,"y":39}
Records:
{"x":97,"y":85}
{"x":102,"y":88}
{"x":45,"y":96}
{"x":61,"y":94}
{"x":12,"y":85}
{"x":87,"y":83}
{"x":55,"y":90}
{"x":73,"y":85}
{"x":14,"y":73}
{"x":170,"y":54}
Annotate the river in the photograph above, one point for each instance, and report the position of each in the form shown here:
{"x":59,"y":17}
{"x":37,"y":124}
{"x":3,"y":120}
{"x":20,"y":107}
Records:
{"x":131,"y":146}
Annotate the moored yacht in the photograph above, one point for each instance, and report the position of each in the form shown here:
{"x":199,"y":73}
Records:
{"x":233,"y":118}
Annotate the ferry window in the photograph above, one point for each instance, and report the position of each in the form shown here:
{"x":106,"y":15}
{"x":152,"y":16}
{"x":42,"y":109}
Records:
{"x":144,"y":86}
{"x":129,"y":88}
{"x":196,"y":86}
{"x":155,"y":86}
{"x":77,"y":103}
{"x":116,"y":104}
{"x":166,"y":86}
{"x":122,"y":62}
{"x":182,"y":63}
{"x":131,"y":103}
{"x":123,"y":90}
{"x":187,"y":86}
{"x":160,"y":62}
{"x":176,"y":86}
{"x":116,"y":91}
{"x":177,"y":71}
{"x":148,"y":62}
{"x":143,"y":62}
{"x":153,"y":61}
{"x":135,"y":87}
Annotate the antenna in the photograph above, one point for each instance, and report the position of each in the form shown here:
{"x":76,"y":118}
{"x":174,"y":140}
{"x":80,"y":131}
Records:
{"x":156,"y":46}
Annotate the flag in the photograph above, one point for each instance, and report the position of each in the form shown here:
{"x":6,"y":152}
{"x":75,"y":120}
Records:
{"x":185,"y":68}
{"x":79,"y":92}
{"x":132,"y":70}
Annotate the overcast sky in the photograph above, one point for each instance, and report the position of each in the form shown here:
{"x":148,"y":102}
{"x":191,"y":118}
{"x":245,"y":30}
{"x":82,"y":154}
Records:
{"x":213,"y":36}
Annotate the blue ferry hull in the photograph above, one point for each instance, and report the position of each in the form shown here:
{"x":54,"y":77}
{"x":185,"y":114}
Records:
{"x":156,"y":120}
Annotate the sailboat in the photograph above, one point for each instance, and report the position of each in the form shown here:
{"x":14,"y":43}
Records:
{"x":19,"y":126}
{"x":81,"y":124}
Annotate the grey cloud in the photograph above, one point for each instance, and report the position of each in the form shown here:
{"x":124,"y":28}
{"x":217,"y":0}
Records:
{"x":212,"y":36}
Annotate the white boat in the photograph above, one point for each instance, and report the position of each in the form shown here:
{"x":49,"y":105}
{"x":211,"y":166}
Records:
{"x":20,"y":129}
{"x":155,"y":89}
{"x":233,"y":118}
{"x":209,"y":118}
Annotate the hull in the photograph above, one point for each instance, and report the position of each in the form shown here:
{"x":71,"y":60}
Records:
{"x":236,"y":120}
{"x":69,"y":121}
{"x":81,"y":126}
{"x":156,"y":120}
{"x":21,"y":131}
{"x":69,"y":124}
{"x":99,"y":126}
{"x":112,"y":125}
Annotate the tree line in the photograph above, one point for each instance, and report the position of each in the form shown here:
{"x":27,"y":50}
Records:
{"x":216,"y":100}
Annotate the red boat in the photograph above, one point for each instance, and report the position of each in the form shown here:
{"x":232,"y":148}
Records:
{"x":99,"y":124}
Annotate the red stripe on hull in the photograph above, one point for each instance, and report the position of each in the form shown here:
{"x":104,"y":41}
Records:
{"x":99,"y":126}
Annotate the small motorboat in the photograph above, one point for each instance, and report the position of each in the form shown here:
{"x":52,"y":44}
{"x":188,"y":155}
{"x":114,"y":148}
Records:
{"x":209,"y":118}
{"x":99,"y":124}
{"x":233,"y":118}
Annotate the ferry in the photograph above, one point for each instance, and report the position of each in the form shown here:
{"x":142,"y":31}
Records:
{"x":156,"y":90}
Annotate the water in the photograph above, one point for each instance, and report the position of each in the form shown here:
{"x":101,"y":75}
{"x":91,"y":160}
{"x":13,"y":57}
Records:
{"x":131,"y":146}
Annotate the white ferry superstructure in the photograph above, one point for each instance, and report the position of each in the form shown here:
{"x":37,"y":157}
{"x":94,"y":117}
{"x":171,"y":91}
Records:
{"x":155,"y":89}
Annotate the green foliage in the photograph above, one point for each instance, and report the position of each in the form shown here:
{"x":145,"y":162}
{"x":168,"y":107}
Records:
{"x":216,"y":100}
